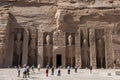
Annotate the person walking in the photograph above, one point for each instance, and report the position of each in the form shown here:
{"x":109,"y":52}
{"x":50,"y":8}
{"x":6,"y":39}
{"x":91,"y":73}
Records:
{"x":39,"y":67}
{"x":90,"y":69}
{"x":24,"y":72}
{"x":76,"y":68}
{"x":47,"y":72}
{"x":32,"y":67}
{"x":52,"y":69}
{"x":59,"y":71}
{"x":18,"y":70}
{"x":47,"y":66}
{"x":28,"y":71}
{"x":68,"y":69}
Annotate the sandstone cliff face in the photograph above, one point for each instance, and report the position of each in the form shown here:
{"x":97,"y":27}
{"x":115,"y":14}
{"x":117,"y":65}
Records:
{"x":30,"y":17}
{"x":50,"y":15}
{"x":3,"y":33}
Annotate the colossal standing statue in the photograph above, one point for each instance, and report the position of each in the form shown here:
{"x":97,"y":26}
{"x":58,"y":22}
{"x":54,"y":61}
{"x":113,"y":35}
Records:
{"x":85,"y":53}
{"x":100,"y":53}
{"x":70,"y":40}
{"x":85,"y":42}
{"x":18,"y":46}
{"x":48,"y":39}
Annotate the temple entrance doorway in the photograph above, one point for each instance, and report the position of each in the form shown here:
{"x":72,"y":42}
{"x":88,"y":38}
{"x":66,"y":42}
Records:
{"x":59,"y":60}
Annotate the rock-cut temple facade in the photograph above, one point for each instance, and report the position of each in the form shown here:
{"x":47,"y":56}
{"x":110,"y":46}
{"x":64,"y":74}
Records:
{"x":60,"y":33}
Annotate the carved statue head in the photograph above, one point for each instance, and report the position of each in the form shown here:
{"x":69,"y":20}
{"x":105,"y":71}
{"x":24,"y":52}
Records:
{"x":99,"y":40}
{"x":85,"y":41}
{"x":18,"y":36}
{"x":48,"y":39}
{"x":70,"y":40}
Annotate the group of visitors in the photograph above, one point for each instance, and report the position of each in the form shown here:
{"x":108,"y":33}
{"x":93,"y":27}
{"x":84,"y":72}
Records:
{"x":52,"y":70}
{"x":26,"y":70}
{"x":59,"y":70}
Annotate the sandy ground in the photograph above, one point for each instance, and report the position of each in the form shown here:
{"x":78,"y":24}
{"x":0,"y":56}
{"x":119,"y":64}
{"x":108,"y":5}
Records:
{"x":82,"y":74}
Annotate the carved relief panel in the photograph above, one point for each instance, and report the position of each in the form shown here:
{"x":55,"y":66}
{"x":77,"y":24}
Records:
{"x":59,"y":38}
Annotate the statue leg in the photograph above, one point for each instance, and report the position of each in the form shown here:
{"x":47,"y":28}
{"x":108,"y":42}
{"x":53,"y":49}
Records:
{"x":101,"y":61}
{"x":18,"y":59}
{"x":86,"y":56}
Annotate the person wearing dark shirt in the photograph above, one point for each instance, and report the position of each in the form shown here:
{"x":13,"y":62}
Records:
{"x":52,"y":69}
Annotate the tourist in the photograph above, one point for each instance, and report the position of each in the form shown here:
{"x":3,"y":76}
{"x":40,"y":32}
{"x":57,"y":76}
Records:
{"x":47,"y":66}
{"x":28,"y":71}
{"x":90,"y":69}
{"x":52,"y":69}
{"x":47,"y":72}
{"x":76,"y":68}
{"x":59,"y":71}
{"x":32,"y":67}
{"x":39,"y":67}
{"x":18,"y":69}
{"x":68,"y":68}
{"x":24,"y":72}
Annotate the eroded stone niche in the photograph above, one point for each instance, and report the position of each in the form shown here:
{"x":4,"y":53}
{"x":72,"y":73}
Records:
{"x":99,"y":48}
{"x":18,"y":46}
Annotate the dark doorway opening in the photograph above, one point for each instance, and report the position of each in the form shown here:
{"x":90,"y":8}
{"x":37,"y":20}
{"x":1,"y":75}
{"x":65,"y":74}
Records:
{"x":59,"y":60}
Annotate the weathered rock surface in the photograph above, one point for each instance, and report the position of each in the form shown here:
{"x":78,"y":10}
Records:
{"x":94,"y":20}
